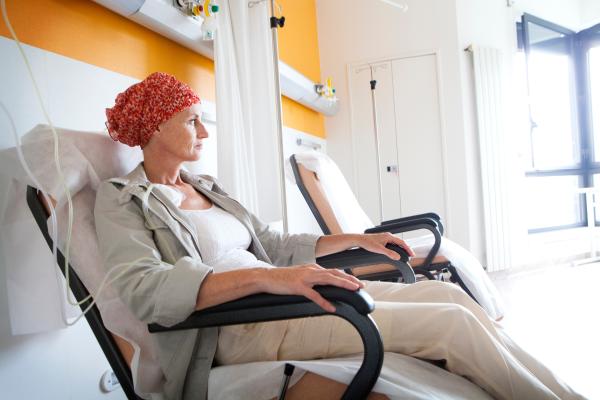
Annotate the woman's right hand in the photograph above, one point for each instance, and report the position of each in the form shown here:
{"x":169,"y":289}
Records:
{"x":300,"y":280}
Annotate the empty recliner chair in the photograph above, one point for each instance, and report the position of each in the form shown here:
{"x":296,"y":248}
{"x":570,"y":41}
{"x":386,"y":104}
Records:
{"x":337,"y":210}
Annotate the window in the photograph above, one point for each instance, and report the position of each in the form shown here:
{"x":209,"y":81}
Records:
{"x":563,"y":81}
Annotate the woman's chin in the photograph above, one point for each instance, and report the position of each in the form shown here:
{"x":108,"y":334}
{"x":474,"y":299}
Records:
{"x":196,"y":154}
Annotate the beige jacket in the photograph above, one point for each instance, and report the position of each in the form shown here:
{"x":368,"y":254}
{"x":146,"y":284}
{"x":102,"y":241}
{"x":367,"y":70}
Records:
{"x":163,"y":290}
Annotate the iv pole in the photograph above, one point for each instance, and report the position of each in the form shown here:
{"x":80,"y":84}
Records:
{"x":373,"y":84}
{"x":275,"y":23}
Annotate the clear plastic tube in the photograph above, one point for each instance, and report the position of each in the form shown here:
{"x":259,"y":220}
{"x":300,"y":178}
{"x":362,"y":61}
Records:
{"x":54,"y":223}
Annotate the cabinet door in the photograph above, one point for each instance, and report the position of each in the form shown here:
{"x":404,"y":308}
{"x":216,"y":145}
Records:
{"x":365,"y":168}
{"x":410,"y":138}
{"x":419,"y":135}
{"x":388,"y":153}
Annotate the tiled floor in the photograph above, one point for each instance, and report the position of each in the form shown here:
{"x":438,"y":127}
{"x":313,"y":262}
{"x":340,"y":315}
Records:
{"x":554,"y":313}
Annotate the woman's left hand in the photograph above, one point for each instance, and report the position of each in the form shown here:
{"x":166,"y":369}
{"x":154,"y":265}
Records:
{"x":375,"y":242}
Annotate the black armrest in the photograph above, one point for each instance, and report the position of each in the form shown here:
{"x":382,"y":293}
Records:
{"x":269,"y":307}
{"x":431,"y":215}
{"x":418,"y":217}
{"x":427,"y":224}
{"x":354,"y":307}
{"x":407,"y":226}
{"x":360,"y":257}
{"x":408,"y":222}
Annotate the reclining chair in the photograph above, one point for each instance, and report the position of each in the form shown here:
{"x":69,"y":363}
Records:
{"x":122,"y":336}
{"x":354,"y":307}
{"x":431,"y":267}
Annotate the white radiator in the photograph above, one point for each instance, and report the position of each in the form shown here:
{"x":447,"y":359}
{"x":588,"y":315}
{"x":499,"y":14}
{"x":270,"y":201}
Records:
{"x":488,"y":66}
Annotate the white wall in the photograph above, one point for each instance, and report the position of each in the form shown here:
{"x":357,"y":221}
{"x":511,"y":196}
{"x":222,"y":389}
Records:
{"x":363,"y":33}
{"x":590,"y":13}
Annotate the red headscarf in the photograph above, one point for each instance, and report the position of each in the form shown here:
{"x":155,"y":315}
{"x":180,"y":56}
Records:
{"x":140,"y":109}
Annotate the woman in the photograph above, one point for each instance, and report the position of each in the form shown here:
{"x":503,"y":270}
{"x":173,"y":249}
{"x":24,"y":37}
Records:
{"x":202,"y":248}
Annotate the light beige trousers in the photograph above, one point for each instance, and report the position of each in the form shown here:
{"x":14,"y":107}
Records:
{"x":430,"y":320}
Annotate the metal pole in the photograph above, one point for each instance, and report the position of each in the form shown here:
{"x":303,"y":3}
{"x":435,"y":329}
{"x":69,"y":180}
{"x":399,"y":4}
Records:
{"x":373,"y":83}
{"x":279,"y":113}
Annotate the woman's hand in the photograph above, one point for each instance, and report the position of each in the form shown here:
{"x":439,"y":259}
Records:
{"x":376,"y":242}
{"x":300,"y":280}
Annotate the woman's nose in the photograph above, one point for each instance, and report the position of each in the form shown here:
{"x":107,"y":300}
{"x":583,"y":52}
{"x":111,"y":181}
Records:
{"x":202,"y":132}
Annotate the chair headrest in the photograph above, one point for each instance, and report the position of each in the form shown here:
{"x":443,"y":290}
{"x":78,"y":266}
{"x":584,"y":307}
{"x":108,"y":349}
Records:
{"x":348,"y":212}
{"x":86,"y":158}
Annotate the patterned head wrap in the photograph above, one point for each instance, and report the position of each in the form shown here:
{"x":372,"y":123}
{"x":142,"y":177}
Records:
{"x":140,"y":109}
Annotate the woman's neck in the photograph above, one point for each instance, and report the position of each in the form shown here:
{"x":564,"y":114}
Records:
{"x":162,"y":171}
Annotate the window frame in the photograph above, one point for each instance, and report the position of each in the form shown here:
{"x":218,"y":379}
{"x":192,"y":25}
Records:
{"x":579,"y":45}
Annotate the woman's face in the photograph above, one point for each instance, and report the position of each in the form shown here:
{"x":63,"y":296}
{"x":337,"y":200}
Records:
{"x":181,"y":136}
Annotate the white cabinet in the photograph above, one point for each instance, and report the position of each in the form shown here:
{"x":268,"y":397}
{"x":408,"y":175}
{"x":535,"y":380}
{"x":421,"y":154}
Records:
{"x":410,"y":137}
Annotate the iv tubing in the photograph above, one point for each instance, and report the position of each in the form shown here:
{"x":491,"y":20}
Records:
{"x":54,"y":229}
{"x":54,"y":134}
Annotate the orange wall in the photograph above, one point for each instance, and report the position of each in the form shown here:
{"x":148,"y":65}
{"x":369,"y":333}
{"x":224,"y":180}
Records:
{"x":298,"y":41}
{"x":299,"y":48}
{"x":86,"y":31}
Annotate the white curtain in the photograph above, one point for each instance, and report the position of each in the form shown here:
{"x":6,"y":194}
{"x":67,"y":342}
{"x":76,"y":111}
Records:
{"x":490,"y":95}
{"x":246,"y":118}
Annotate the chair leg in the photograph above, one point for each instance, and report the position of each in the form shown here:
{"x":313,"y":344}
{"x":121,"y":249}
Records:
{"x":437,"y":269}
{"x":432,"y":270}
{"x":455,"y":278}
{"x":425,"y":273}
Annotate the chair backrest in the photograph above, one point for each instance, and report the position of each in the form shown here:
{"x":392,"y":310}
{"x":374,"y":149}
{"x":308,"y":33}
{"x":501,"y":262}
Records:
{"x":87,"y":158}
{"x":115,"y":349}
{"x":315,"y":197}
{"x":328,"y":194}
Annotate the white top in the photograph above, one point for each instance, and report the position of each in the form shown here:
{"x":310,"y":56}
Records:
{"x":222,"y":238}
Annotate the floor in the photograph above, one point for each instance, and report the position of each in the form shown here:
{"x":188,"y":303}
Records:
{"x":554,"y":313}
